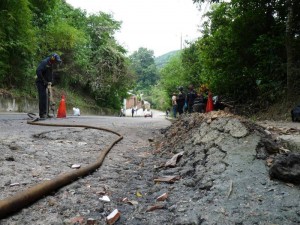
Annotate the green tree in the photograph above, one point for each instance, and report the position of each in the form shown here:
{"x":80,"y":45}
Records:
{"x":110,"y":77}
{"x":143,"y":65}
{"x":173,"y":75}
{"x":17,"y":43}
{"x":257,"y":32}
{"x":238,"y":55}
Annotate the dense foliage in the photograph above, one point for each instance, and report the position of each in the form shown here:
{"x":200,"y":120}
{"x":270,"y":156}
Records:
{"x":249,"y":52}
{"x":143,"y":64}
{"x":93,"y":61}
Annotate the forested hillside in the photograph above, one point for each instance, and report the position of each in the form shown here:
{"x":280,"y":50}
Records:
{"x":162,"y":60}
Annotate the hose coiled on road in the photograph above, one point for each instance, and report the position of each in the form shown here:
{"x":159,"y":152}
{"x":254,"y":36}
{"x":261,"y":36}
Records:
{"x":27,"y":197}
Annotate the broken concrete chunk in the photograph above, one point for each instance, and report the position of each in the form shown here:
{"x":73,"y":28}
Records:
{"x":162,"y":197}
{"x":155,"y":207}
{"x":286,"y":167}
{"x":132,"y":202}
{"x":172,"y":162}
{"x":236,"y":128}
{"x":268,"y":132}
{"x":104,"y":198}
{"x":168,"y":179}
{"x":270,"y":145}
{"x":91,"y":221}
{"x":14,"y":184}
{"x":113,"y":217}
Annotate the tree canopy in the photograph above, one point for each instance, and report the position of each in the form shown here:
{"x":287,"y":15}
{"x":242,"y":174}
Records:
{"x":143,"y":64}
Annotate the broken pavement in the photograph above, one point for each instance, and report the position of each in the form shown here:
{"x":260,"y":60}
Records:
{"x":222,"y":176}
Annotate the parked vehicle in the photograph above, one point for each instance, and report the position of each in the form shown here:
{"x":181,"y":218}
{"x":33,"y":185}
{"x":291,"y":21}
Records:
{"x":148,"y":113}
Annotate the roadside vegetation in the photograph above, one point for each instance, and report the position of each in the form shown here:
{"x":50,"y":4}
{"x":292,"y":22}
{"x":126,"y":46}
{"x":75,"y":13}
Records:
{"x":248,"y":53}
{"x":93,"y":61}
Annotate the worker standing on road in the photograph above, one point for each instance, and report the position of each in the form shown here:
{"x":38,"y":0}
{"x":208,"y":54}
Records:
{"x":132,"y":111}
{"x":190,"y":98}
{"x":174,"y":104}
{"x":44,"y":77}
{"x":180,"y":100}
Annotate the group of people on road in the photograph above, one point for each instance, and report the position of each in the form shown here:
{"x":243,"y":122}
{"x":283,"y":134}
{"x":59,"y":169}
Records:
{"x":191,"y":101}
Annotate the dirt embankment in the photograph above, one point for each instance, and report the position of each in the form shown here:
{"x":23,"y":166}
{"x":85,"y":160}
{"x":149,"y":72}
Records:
{"x":208,"y":169}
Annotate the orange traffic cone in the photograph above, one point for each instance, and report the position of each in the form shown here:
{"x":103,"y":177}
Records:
{"x":62,"y":112}
{"x":210,"y":104}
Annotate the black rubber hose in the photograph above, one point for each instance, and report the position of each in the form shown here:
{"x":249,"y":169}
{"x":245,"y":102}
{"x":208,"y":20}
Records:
{"x":27,"y":197}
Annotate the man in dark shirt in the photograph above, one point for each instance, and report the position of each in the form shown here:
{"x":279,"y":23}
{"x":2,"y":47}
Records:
{"x":180,"y":100}
{"x":190,"y":97}
{"x":45,"y":77}
{"x":199,"y":103}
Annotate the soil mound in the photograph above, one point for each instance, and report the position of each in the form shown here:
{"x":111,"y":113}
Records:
{"x":222,"y":164}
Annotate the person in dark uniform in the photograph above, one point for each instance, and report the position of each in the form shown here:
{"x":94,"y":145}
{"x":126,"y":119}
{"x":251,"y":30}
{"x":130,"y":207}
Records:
{"x":190,"y":97}
{"x":44,"y":77}
{"x":199,"y":103}
{"x":180,"y":100}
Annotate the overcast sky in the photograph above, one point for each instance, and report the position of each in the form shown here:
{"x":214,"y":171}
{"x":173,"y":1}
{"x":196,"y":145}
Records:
{"x":157,"y":25}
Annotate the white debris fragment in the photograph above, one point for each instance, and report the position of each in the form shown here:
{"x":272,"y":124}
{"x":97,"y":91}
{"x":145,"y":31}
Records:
{"x":76,"y":166}
{"x":113,"y":217}
{"x":104,"y":198}
{"x":81,"y":143}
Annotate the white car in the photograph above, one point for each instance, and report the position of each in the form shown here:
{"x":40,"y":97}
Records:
{"x":148,"y":113}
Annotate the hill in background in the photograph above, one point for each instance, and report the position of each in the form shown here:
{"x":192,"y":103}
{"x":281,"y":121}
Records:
{"x":162,"y":60}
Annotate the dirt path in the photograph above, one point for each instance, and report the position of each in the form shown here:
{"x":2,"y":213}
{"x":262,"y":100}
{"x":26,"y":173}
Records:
{"x":218,"y":179}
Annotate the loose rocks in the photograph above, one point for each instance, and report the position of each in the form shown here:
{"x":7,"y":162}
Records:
{"x":286,"y":167}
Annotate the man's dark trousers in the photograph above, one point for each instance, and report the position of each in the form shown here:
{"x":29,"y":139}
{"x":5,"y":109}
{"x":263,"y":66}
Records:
{"x":42,"y":88}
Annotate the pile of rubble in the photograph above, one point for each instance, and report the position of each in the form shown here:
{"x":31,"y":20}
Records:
{"x":222,"y":165}
{"x":211,"y":126}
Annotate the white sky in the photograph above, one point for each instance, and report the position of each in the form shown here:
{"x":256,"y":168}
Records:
{"x":157,"y":25}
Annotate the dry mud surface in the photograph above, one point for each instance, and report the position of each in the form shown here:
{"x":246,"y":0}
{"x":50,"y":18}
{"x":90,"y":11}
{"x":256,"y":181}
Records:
{"x":221,"y":175}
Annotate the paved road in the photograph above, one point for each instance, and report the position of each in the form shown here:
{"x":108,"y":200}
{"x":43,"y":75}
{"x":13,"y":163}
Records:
{"x":32,"y":154}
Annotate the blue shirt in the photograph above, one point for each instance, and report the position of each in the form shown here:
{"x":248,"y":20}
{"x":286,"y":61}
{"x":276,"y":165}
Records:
{"x":44,"y":71}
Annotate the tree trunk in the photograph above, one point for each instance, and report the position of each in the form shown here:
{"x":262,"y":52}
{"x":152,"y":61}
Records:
{"x":293,"y":81}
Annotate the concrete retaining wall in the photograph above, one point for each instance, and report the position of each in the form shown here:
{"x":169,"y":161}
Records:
{"x":18,"y":104}
{"x":25,"y":105}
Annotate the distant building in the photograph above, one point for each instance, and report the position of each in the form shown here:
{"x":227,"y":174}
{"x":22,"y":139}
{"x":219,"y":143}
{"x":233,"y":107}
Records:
{"x":133,"y":102}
